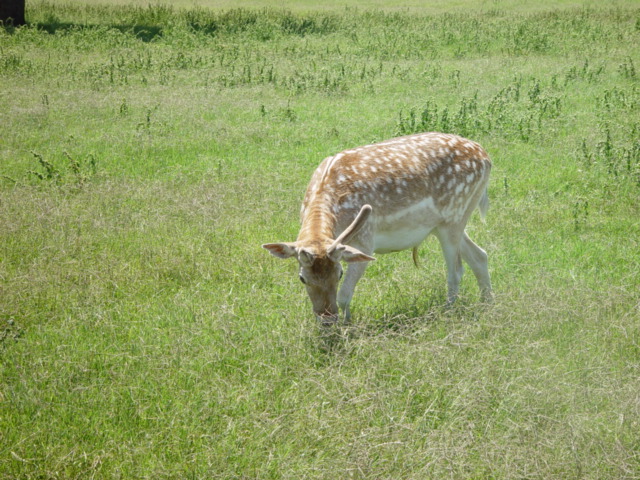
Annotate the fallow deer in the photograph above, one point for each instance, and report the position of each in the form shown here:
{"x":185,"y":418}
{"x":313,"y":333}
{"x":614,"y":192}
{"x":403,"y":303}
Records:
{"x":384,"y":198}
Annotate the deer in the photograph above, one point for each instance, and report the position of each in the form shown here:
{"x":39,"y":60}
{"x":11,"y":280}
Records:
{"x":383,"y":198}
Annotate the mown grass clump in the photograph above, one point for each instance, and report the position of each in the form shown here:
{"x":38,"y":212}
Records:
{"x":146,"y":151}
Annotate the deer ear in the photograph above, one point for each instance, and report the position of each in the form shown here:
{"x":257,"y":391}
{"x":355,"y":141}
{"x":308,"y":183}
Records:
{"x":281,"y":250}
{"x":350,"y":254}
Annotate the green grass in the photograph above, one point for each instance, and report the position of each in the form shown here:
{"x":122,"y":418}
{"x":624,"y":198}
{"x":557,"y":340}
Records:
{"x":145,"y":154}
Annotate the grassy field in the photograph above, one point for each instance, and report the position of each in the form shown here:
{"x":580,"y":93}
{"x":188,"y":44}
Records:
{"x":338,"y":6}
{"x":145,"y":154}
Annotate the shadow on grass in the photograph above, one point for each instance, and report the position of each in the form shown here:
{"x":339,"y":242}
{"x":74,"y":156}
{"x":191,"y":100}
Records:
{"x":146,"y":33}
{"x":148,"y":24}
{"x":405,"y":314}
{"x":402,"y":317}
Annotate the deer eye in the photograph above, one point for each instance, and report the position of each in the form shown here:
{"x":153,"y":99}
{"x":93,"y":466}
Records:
{"x":302,"y":279}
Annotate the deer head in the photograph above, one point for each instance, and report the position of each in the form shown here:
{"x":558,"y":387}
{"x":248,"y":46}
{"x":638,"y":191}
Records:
{"x":320,"y":268}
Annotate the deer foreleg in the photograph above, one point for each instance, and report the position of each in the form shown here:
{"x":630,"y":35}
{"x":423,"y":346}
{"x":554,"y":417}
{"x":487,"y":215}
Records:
{"x":354,"y":272}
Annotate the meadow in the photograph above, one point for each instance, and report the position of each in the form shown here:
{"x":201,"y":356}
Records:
{"x":147,"y":151}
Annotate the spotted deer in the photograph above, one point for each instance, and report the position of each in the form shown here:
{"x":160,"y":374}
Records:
{"x":384,"y":198}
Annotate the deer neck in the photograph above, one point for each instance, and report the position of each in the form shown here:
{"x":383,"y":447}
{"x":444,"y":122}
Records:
{"x":318,"y":221}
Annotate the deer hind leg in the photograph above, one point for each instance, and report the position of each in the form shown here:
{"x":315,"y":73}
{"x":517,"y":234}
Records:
{"x":354,"y":272}
{"x":476,"y":258}
{"x":450,"y":238}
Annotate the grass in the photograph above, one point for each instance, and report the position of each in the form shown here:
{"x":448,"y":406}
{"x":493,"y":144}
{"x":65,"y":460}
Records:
{"x":145,"y":154}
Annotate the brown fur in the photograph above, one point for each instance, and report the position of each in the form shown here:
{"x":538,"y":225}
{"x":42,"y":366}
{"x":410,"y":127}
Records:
{"x":417,"y":183}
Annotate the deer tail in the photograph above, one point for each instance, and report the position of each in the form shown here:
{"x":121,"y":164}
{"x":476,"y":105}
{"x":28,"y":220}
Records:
{"x":414,"y":254}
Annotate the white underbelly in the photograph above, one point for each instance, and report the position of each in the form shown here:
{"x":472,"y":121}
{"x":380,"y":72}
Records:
{"x":401,"y":239}
{"x":405,"y":228}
